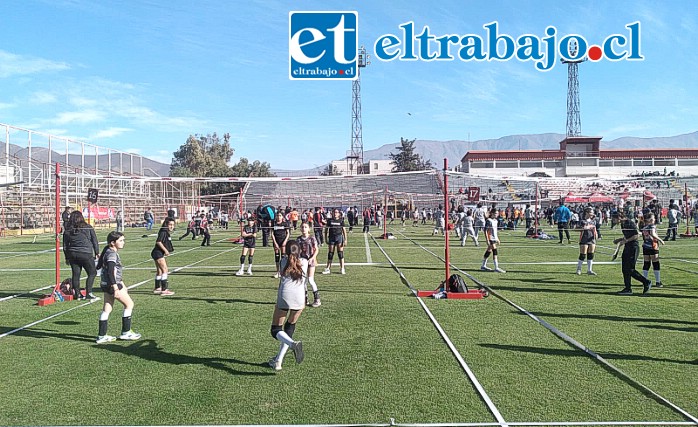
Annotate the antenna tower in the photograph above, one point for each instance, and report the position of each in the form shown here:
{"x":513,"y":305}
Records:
{"x":355,"y":159}
{"x":574,"y":121}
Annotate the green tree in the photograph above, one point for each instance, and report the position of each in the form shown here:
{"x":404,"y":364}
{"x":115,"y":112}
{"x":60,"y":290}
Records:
{"x":203,"y":156}
{"x":254,"y":169}
{"x":406,"y":160}
{"x":330,"y":170}
{"x":209,"y":156}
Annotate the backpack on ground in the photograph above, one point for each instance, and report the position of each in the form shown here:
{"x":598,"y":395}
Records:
{"x":457,"y":284}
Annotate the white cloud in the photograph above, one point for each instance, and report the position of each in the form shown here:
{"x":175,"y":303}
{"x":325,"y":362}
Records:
{"x":5,"y":105}
{"x":86,"y":116}
{"x":17,"y":65}
{"x":109,"y":132}
{"x":43,"y":98}
{"x":134,"y":150}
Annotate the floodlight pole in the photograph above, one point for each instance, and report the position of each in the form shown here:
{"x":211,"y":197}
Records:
{"x":57,"y":225}
{"x":447,"y":252}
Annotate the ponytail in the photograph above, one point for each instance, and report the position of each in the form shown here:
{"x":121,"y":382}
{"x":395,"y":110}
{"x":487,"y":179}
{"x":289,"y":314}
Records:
{"x":294,"y":267}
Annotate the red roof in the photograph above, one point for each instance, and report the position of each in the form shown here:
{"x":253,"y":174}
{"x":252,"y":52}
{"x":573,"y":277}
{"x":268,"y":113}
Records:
{"x":643,"y":153}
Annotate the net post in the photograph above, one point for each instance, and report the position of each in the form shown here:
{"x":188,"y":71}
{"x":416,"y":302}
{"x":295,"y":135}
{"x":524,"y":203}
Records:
{"x":685,"y":205}
{"x":385,"y":213}
{"x":58,"y":223}
{"x":447,"y":253}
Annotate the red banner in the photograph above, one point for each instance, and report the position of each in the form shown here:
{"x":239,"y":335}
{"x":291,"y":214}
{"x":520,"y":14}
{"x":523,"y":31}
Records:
{"x":98,"y":213}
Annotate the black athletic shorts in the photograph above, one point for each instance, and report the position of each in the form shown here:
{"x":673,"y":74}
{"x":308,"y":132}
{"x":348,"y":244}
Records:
{"x":156,"y":254}
{"x":336,"y":240}
{"x":649,"y":251}
{"x":108,"y":289}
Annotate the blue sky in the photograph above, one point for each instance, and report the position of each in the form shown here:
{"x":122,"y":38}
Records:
{"x":142,"y":75}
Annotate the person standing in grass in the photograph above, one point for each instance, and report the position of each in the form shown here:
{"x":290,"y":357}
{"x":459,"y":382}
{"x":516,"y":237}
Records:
{"x":631,"y":250}
{"x":163,"y":247}
{"x":309,"y":250}
{"x":492,"y":242}
{"x":650,"y":251}
{"x":290,"y":302}
{"x":336,"y":238}
{"x":112,"y":285}
{"x":81,"y":249}
{"x":204,"y":230}
{"x":279,"y":236}
{"x":249,"y":240}
{"x":587,"y":242}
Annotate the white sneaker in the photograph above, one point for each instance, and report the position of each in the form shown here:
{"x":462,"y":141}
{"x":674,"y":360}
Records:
{"x":591,"y":273}
{"x":579,"y":272}
{"x":483,"y":268}
{"x":500,"y":270}
{"x":129,"y":336}
{"x":276,"y":276}
{"x":316,"y":303}
{"x":326,"y":271}
{"x":274,"y":364}
{"x":343,"y":271}
{"x":249,"y":271}
{"x":105,"y":338}
{"x":240,"y":272}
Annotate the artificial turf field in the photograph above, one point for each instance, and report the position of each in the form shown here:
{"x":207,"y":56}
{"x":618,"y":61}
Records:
{"x":372,"y":352}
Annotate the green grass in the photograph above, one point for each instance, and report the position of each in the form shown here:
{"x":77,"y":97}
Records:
{"x":371,"y":351}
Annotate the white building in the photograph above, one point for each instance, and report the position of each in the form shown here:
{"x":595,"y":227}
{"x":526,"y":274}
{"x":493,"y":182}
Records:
{"x":581,"y":156}
{"x":372,"y":167}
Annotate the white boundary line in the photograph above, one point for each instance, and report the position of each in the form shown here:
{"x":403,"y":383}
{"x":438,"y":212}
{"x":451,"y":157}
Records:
{"x":93,"y":301}
{"x":368,"y":249}
{"x":576,"y":344}
{"x":483,"y":394}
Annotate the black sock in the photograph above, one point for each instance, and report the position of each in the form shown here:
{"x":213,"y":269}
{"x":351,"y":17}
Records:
{"x":289,"y":328}
{"x":164,"y":284}
{"x":103,"y":326}
{"x":158,"y":283}
{"x":125,"y":324}
{"x":316,"y":294}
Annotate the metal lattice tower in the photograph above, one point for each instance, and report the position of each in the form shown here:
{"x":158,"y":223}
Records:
{"x":355,"y":159}
{"x":574,"y":121}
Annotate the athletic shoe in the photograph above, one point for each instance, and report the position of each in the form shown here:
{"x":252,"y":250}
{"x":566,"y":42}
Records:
{"x":646,"y":287}
{"x":129,"y":336}
{"x":579,"y":272}
{"x":326,"y":271}
{"x":249,"y":271}
{"x":166,"y":293}
{"x":591,"y":273}
{"x":499,"y":270}
{"x":157,"y":291}
{"x":91,"y":297}
{"x":483,"y":268}
{"x":316,"y":303}
{"x":104,"y":339}
{"x":343,"y":271}
{"x":274,"y":364}
{"x":658,"y":285}
{"x":297,"y":349}
{"x":276,"y":276}
{"x":626,"y":291}
{"x":240,"y":272}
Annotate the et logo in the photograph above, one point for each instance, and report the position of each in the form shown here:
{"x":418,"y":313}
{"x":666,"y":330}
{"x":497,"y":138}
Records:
{"x":323,"y":45}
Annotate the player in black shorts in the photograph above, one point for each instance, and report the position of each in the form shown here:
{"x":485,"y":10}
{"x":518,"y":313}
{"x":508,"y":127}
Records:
{"x":249,"y":236}
{"x":587,"y":241}
{"x":650,"y":250}
{"x":163,"y":247}
{"x":336,"y":237}
{"x":112,"y":285}
{"x":280,"y":234}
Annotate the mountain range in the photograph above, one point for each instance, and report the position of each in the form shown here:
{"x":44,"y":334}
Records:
{"x":454,"y":150}
{"x":435,"y":151}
